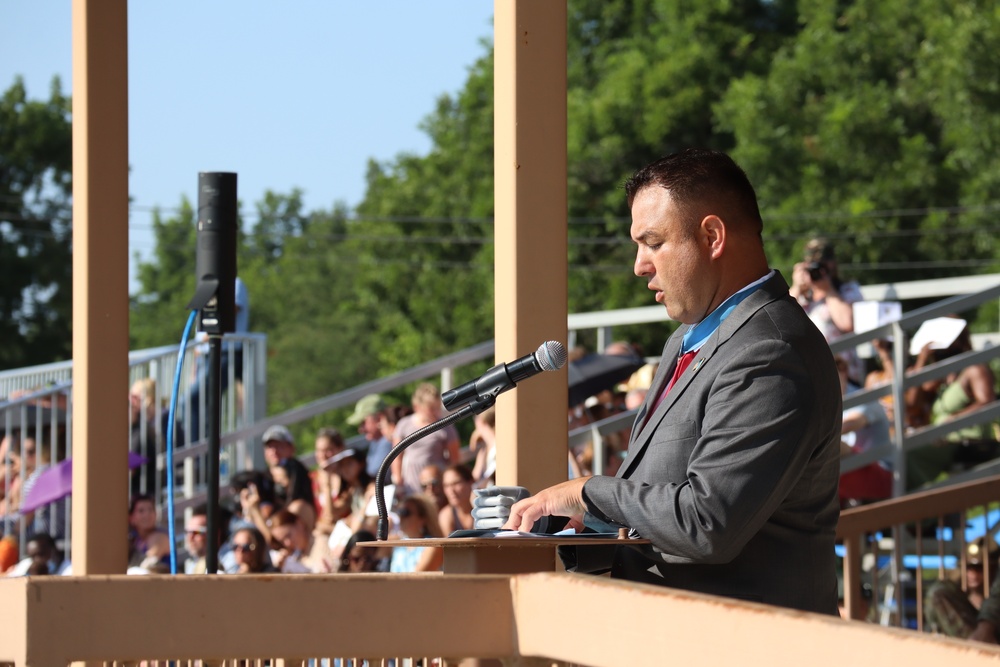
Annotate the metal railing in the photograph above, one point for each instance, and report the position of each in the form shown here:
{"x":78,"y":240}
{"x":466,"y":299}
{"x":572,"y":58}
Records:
{"x":244,"y":409}
{"x":906,"y":439}
{"x":36,"y":411}
{"x":899,"y":542}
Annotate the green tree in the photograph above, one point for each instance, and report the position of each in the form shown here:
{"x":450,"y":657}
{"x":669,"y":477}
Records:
{"x":35,"y":231}
{"x":166,"y":280}
{"x":876,"y":127}
{"x":643,"y":76}
{"x":423,"y":235}
{"x":303,"y":298}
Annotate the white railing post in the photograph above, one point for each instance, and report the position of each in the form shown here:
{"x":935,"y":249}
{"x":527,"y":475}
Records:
{"x":447,"y":379}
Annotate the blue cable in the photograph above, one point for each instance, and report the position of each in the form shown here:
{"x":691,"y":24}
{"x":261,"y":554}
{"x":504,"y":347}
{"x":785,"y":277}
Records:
{"x":171,"y":427}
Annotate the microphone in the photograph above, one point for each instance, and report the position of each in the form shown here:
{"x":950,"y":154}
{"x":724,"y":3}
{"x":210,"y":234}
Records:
{"x":550,"y":356}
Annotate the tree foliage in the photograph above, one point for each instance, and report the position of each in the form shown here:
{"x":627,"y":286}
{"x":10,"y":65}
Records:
{"x":882,"y":118}
{"x":873,"y":123}
{"x":35,"y":232}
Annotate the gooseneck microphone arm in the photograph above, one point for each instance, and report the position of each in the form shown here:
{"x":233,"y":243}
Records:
{"x":469,"y":409}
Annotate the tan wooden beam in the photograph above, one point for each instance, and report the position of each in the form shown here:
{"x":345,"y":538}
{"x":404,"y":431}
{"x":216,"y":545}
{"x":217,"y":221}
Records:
{"x":530,"y":233}
{"x":100,"y":285}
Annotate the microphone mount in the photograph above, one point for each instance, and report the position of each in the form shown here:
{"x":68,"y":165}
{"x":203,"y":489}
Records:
{"x":470,"y":409}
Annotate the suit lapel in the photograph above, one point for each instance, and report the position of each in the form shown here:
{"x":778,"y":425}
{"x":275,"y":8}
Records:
{"x":668,"y":361}
{"x":643,"y":429}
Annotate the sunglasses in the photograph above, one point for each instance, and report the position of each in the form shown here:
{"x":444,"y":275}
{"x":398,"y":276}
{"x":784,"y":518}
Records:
{"x":244,"y":548}
{"x":431,"y":483}
{"x":405,"y":513}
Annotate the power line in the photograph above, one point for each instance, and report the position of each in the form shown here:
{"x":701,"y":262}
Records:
{"x":950,"y":231}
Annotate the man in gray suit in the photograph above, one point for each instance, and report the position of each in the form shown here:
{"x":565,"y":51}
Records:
{"x":732,"y":464}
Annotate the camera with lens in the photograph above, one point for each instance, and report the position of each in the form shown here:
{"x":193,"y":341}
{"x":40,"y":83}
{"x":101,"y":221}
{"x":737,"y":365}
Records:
{"x":816,"y":271}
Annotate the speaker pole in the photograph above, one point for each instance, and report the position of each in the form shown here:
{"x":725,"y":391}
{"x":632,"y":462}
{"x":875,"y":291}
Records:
{"x":215,"y":298}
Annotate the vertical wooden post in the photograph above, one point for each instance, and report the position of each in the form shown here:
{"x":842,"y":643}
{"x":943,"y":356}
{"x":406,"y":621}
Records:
{"x":852,"y":576}
{"x":530,"y":233}
{"x":100,"y":285}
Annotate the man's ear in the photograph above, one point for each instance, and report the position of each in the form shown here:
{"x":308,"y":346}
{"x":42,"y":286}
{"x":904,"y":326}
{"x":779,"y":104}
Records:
{"x":713,"y":232}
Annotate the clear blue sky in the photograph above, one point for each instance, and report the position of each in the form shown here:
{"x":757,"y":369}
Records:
{"x":286,"y":94}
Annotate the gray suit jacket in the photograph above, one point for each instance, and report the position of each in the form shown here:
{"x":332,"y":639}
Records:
{"x":734,"y":476}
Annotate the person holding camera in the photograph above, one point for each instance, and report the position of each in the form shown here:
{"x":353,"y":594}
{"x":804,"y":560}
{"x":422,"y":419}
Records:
{"x":826,"y":298}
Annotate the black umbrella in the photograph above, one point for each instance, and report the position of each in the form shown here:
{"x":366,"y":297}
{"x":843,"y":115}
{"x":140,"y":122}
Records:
{"x":596,"y":372}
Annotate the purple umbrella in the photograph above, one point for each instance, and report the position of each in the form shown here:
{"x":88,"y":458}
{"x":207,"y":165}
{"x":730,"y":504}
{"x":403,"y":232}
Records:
{"x":56,"y":483}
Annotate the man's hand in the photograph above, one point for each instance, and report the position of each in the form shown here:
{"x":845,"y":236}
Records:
{"x":564,"y":499}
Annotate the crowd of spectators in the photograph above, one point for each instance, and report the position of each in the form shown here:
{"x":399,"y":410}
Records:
{"x":288,"y":518}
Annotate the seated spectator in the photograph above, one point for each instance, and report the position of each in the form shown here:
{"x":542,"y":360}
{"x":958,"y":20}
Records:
{"x":432,"y":485}
{"x":262,"y":487}
{"x":50,"y":518}
{"x":417,"y":519}
{"x":9,"y":551}
{"x":196,"y":542}
{"x":917,"y":411}
{"x":30,"y":461}
{"x":255,"y":512}
{"x":42,"y":557}
{"x":291,"y":479}
{"x":366,"y":416}
{"x":250,"y":552}
{"x":967,"y":614}
{"x":149,"y":426}
{"x":826,"y":297}
{"x":305,"y":511}
{"x":439,"y":448}
{"x":148,"y":545}
{"x":16,"y":469}
{"x":387,"y":421}
{"x":298,"y":550}
{"x":484,"y":443}
{"x":960,"y":393}
{"x":864,"y":427}
{"x":634,"y":397}
{"x":358,"y":486}
{"x":327,"y":485}
{"x":363,"y":559}
{"x":457,"y":514}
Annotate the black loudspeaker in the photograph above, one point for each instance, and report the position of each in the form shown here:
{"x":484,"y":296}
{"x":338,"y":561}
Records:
{"x":215,"y":263}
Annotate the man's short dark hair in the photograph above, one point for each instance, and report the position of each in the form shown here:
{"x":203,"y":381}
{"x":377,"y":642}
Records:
{"x":702,"y":182}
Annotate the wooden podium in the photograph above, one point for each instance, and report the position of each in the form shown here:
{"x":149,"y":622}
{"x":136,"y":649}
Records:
{"x":502,"y":555}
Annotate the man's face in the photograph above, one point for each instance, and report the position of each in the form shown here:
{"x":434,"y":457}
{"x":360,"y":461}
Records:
{"x":430,"y":482}
{"x":143,"y":516}
{"x":369,"y":427}
{"x":675,"y":263}
{"x":38,"y":552}
{"x":326,"y":449}
{"x":194,"y":537}
{"x":456,"y":489}
{"x":275,"y":451}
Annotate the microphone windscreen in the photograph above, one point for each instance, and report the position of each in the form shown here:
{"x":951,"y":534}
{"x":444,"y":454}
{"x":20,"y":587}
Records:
{"x":551,"y":355}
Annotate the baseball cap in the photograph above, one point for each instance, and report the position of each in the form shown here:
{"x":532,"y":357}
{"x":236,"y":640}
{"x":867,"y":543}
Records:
{"x":279,"y":433}
{"x":366,"y":407}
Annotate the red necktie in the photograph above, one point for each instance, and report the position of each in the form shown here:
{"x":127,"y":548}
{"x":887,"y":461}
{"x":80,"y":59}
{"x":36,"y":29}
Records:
{"x":683,"y":362}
